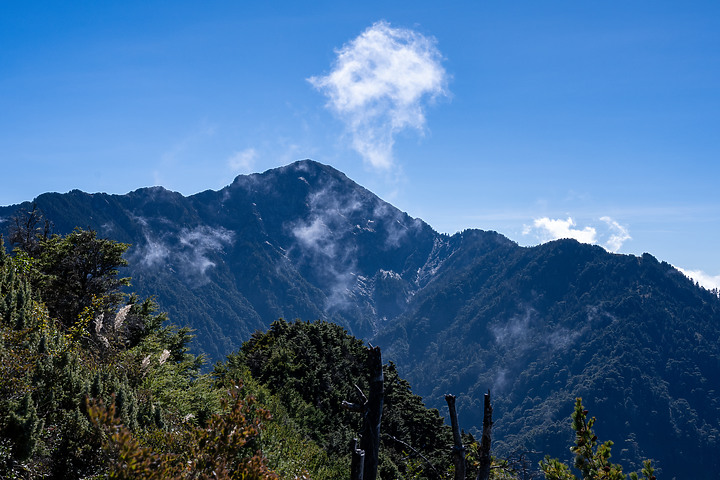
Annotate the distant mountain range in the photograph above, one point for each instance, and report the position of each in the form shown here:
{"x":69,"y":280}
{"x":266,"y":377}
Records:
{"x":458,"y":314}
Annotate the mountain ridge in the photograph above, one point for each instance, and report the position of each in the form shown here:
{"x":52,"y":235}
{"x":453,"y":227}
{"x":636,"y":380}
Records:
{"x":457,"y":313}
{"x":277,"y":221}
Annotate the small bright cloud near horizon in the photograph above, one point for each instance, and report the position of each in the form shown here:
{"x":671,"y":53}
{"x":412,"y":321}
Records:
{"x":243,"y":161}
{"x":611,"y":237}
{"x":380,"y":84}
{"x":705,"y":280}
{"x":482,"y":115}
{"x":546,"y":229}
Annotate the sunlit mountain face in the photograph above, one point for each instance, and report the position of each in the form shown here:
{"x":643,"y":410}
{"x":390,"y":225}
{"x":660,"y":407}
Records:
{"x":457,"y":314}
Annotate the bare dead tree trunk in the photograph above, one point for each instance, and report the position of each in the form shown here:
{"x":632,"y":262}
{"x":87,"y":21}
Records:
{"x":371,"y":409}
{"x":371,"y":434}
{"x":458,"y":451}
{"x":358,"y":459}
{"x":486,"y":440}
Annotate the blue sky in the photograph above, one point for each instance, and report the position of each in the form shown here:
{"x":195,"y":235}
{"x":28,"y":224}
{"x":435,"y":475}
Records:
{"x":596,"y":120}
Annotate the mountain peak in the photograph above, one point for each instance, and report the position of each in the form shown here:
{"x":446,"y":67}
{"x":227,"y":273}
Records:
{"x":314,"y":173}
{"x":538,"y":325}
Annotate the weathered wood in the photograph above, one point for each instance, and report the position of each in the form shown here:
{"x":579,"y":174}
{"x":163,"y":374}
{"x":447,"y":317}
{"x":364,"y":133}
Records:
{"x":486,"y":440}
{"x":371,"y":408}
{"x":356,"y":407}
{"x":371,"y":429}
{"x":358,"y":459}
{"x":458,"y":451}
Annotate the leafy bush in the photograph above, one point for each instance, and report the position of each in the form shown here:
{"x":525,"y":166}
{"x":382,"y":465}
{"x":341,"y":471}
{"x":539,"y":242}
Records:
{"x":224,"y":448}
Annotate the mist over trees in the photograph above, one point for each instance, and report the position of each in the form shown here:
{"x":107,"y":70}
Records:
{"x":457,"y":314}
{"x":115,"y":392}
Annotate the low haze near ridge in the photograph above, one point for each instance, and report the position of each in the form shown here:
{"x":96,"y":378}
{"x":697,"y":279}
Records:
{"x":594,"y":122}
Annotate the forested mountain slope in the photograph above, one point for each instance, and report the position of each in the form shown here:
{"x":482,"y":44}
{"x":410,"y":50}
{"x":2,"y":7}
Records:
{"x":302,"y":241}
{"x":458,"y":314}
{"x":96,"y":384}
{"x":630,"y":335}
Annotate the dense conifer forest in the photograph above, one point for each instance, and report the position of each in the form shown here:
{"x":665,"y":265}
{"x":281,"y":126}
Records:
{"x":97,"y":383}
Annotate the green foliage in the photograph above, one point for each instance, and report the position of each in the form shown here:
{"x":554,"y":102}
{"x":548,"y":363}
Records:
{"x":406,"y":418}
{"x":48,"y":367}
{"x":289,"y":451}
{"x":223,"y":448}
{"x":62,"y":342}
{"x":28,"y":228}
{"x":313,"y":366}
{"x":591,"y":458}
{"x":647,"y":471}
{"x":127,"y":357}
{"x":23,"y":426}
{"x":80,"y":271}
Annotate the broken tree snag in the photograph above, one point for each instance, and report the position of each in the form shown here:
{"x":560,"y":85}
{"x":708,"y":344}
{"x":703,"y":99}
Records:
{"x":371,"y":409}
{"x":358,"y":458}
{"x":458,"y":451}
{"x":357,"y":407}
{"x":373,"y":415}
{"x":485,"y":460}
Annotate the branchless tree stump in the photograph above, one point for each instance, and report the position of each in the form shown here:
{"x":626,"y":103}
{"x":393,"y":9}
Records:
{"x":371,"y":409}
{"x":485,"y":459}
{"x":458,"y":451}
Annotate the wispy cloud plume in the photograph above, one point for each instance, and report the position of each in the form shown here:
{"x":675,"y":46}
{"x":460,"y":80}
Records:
{"x":188,"y":252}
{"x":552,"y":229}
{"x":379,"y":85}
{"x":197,"y":244}
{"x":243,"y":161}
{"x":612,"y":237}
{"x":324,"y":243}
{"x":618,"y":235}
{"x":705,"y":280}
{"x":153,"y":252}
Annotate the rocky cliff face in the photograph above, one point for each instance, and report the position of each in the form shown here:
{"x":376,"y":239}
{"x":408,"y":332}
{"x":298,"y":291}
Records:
{"x":301,"y":241}
{"x":458,"y":314}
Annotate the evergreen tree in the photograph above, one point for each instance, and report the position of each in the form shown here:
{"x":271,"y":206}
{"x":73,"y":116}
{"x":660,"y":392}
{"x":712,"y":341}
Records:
{"x":591,"y":458}
{"x":314,"y":366}
{"x":28,"y":229}
{"x":80,"y":271}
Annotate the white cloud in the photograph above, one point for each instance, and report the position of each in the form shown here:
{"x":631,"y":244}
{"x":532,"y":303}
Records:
{"x":316,"y":236}
{"x":515,"y":331}
{"x":187,"y":252}
{"x":378,"y":87}
{"x":618,"y":235}
{"x":153,"y":252}
{"x":553,"y":229}
{"x":705,"y":280}
{"x":612,"y":236}
{"x":326,"y":242}
{"x":197,"y":244}
{"x":243,"y":161}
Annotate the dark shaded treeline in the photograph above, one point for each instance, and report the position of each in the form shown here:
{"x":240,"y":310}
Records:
{"x":113,"y":390}
{"x":463,"y":313}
